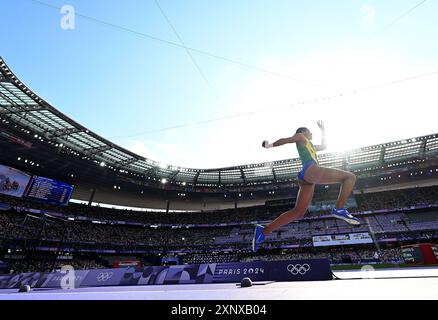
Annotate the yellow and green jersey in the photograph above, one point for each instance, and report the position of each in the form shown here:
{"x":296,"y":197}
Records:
{"x":307,"y":152}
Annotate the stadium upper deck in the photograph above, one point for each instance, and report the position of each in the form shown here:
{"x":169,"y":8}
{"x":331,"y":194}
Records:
{"x":36,"y":120}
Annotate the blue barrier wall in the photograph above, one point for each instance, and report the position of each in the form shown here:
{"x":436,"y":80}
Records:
{"x":294,"y":270}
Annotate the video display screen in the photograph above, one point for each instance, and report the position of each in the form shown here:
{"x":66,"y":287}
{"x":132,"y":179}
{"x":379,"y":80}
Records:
{"x":13,"y":182}
{"x":342,"y":239}
{"x":49,"y":191}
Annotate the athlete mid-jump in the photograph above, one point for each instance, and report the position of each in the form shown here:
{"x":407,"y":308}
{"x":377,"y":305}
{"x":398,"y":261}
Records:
{"x":311,"y":175}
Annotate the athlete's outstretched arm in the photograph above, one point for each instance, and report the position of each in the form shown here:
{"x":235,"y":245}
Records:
{"x":299,"y":137}
{"x":323,"y":144}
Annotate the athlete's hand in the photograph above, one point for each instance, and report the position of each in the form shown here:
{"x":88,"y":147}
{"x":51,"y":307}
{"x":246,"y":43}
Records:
{"x":321,"y":124}
{"x":267,"y":145}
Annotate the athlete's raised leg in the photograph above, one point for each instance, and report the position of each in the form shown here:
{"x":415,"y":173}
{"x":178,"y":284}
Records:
{"x":304,"y":198}
{"x":321,"y":175}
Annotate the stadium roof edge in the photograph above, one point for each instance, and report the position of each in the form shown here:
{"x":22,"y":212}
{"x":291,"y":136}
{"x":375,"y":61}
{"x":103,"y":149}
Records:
{"x":63,"y":128}
{"x":59,"y":113}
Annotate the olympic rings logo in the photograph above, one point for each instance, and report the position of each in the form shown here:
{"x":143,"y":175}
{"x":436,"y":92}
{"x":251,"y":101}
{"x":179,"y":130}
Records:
{"x":296,"y":269}
{"x":104,"y":276}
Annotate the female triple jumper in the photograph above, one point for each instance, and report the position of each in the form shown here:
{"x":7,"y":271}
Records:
{"x":311,"y":175}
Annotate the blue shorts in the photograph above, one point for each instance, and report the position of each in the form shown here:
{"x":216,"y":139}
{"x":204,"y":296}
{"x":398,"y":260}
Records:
{"x":306,"y":166}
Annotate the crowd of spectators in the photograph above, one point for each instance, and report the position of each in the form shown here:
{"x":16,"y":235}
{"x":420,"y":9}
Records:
{"x":366,"y":202}
{"x":397,"y":199}
{"x":337,"y":256}
{"x":24,"y":226}
{"x":200,"y":258}
{"x":409,"y":236}
{"x":16,"y":226}
{"x":47,"y":265}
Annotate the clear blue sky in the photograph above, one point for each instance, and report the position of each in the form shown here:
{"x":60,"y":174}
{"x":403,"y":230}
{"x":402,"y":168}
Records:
{"x":120,"y":85}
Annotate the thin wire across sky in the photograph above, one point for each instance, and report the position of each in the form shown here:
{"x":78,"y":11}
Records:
{"x":190,"y":50}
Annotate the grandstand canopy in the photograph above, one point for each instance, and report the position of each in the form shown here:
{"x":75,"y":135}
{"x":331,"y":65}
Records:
{"x":22,"y":108}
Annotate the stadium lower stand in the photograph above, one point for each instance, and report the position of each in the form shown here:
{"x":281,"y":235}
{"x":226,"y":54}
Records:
{"x":40,"y":237}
